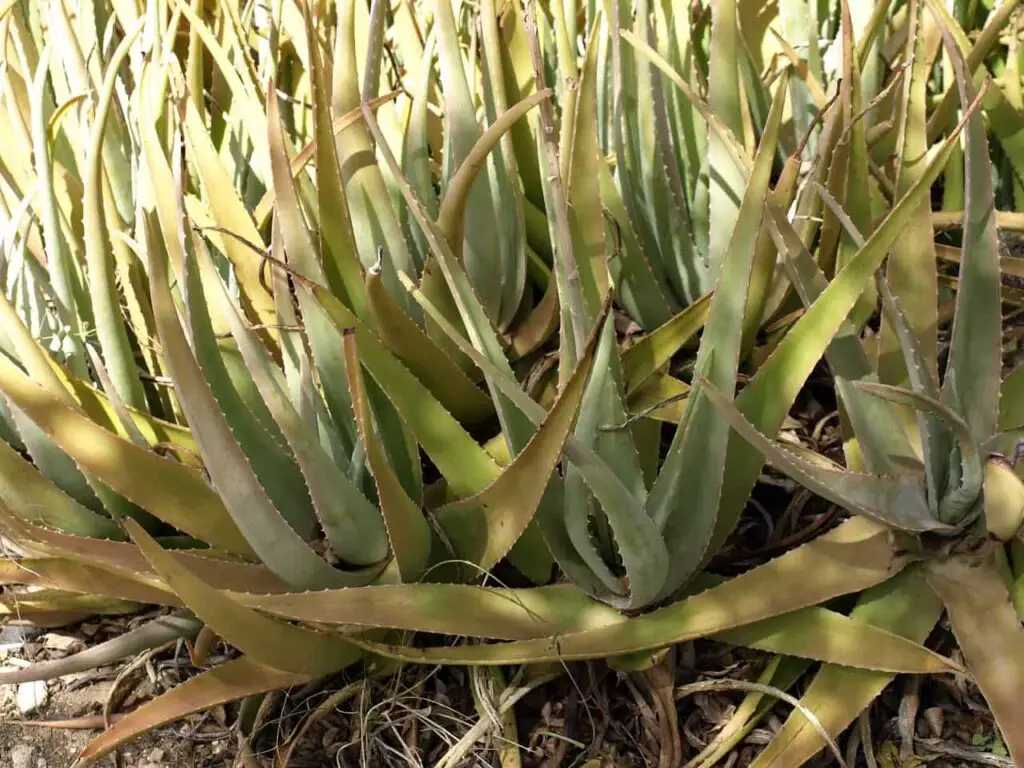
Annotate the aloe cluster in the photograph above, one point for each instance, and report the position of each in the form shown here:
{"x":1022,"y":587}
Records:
{"x":318,"y":313}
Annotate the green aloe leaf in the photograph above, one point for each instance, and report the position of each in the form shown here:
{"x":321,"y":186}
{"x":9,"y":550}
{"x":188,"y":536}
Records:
{"x":642,"y":360}
{"x":33,"y":497}
{"x":352,"y":524}
{"x":168,"y":490}
{"x":903,"y":605}
{"x":684,"y":500}
{"x":989,"y":634}
{"x":266,"y":531}
{"x":408,"y":531}
{"x":958,"y":501}
{"x":338,"y":251}
{"x":267,"y":640}
{"x":854,"y":556}
{"x":971,"y":384}
{"x":483,"y":528}
{"x":881,"y":438}
{"x":895,"y":501}
{"x":125,"y":559}
{"x":911,"y":266}
{"x":110,"y":326}
{"x":767,"y":399}
{"x":1011,"y":400}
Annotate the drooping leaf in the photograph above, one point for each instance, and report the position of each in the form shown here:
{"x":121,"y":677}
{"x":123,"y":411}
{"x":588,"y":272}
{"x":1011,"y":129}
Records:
{"x":854,"y":556}
{"x":233,"y":680}
{"x":269,"y":641}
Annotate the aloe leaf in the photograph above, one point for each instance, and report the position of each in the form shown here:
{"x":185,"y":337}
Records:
{"x":324,"y":338}
{"x":905,"y":606}
{"x":233,"y":680}
{"x":165,"y":488}
{"x":726,"y":182}
{"x":269,"y":641}
{"x":971,"y":384}
{"x":1011,"y":401}
{"x":781,"y":673}
{"x":352,"y":524}
{"x":125,"y":559}
{"x":625,"y":508}
{"x":110,"y":328}
{"x":854,"y":556}
{"x":466,"y":466}
{"x":895,"y":501}
{"x":958,"y":501}
{"x":651,"y":353}
{"x":767,"y":399}
{"x":408,"y":532}
{"x":430,"y":363}
{"x":881,"y":438}
{"x":265,"y":448}
{"x":911,"y":267}
{"x":63,"y":276}
{"x":989,"y":634}
{"x":338,"y":253}
{"x":33,"y":497}
{"x":230,"y":213}
{"x":374,"y":219}
{"x":68,"y":576}
{"x":988,"y":37}
{"x":484,"y":528}
{"x":269,"y":535}
{"x":684,"y":500}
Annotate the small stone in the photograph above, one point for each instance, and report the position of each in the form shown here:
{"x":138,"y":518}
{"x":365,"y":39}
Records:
{"x":64,"y":643}
{"x":31,"y":696}
{"x":156,"y":755}
{"x":21,"y":756}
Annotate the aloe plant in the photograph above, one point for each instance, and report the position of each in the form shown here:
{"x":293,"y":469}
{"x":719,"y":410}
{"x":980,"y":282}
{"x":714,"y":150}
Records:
{"x":277,"y":330}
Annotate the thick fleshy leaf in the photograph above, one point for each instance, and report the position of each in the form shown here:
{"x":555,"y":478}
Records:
{"x":958,"y":501}
{"x":905,"y":606}
{"x":267,"y":640}
{"x":855,"y":556}
{"x":165,"y":488}
{"x":911,"y":266}
{"x":110,"y":326}
{"x":352,"y":524}
{"x":897,"y":501}
{"x":428,"y":362}
{"x":653,"y":352}
{"x":409,"y":534}
{"x":880,"y":437}
{"x":31,"y":496}
{"x":990,"y":635}
{"x":265,"y":530}
{"x":1011,"y":400}
{"x":765,"y":402}
{"x":684,"y":500}
{"x":150,"y":635}
{"x":124,"y":559}
{"x":483,"y":528}
{"x":971,"y":384}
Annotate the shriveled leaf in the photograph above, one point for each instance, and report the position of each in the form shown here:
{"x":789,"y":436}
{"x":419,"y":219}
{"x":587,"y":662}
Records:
{"x":233,"y":680}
